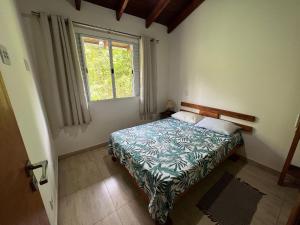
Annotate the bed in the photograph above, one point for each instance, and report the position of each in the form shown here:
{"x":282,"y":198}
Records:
{"x":168,"y":156}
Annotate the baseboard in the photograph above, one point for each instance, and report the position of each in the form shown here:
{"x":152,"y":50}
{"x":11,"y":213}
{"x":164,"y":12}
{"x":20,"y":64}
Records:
{"x":82,"y":151}
{"x":250,"y":161}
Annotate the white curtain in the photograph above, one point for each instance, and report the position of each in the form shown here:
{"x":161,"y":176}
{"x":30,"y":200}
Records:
{"x":59,"y":73}
{"x":148,"y":86}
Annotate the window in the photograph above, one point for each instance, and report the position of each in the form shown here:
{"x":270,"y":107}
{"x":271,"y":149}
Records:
{"x":110,"y":67}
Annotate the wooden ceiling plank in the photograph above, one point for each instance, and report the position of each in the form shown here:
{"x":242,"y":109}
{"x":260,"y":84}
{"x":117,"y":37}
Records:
{"x":159,"y":7}
{"x":184,"y":13}
{"x":78,"y":4}
{"x":121,"y":9}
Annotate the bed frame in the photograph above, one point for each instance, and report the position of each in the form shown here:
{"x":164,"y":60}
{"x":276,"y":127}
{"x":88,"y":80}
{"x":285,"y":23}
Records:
{"x":208,"y":112}
{"x":218,"y":113}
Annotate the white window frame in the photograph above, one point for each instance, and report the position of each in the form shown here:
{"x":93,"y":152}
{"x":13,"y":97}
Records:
{"x":81,"y":32}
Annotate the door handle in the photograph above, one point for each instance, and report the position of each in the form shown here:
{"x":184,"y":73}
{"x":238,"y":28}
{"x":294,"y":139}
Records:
{"x":29,"y":171}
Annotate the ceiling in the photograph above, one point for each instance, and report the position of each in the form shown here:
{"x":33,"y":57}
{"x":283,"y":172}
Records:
{"x":166,"y":12}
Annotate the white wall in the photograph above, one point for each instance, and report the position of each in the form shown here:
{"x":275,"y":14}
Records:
{"x":112,"y":115}
{"x":26,"y":104}
{"x":243,"y":56}
{"x":238,"y":55}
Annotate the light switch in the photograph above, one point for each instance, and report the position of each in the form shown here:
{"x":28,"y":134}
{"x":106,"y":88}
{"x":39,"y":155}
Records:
{"x":4,"y":55}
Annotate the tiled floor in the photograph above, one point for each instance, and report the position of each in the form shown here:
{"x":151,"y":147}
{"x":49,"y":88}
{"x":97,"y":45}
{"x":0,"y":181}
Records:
{"x":96,"y":191}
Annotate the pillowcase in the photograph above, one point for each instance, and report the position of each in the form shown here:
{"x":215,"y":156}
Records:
{"x":187,"y":117}
{"x":219,"y":126}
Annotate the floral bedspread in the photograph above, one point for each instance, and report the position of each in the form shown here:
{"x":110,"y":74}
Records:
{"x":167,"y":156}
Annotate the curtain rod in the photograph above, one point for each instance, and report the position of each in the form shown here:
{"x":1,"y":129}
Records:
{"x":98,"y":28}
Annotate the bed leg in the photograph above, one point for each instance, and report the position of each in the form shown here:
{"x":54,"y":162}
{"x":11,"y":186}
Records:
{"x":113,"y":158}
{"x":168,"y":222}
{"x":234,"y":157}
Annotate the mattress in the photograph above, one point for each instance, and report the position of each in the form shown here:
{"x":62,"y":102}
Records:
{"x":168,"y":156}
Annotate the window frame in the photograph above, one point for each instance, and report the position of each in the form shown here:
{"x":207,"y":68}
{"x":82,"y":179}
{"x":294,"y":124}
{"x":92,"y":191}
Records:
{"x":80,"y":33}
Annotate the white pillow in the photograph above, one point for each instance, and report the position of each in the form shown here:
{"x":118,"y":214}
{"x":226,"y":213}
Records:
{"x":219,"y":126}
{"x":187,"y":117}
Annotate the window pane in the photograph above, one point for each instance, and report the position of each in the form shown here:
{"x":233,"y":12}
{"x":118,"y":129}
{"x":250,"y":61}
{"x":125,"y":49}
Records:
{"x":98,"y":65}
{"x":123,"y":71}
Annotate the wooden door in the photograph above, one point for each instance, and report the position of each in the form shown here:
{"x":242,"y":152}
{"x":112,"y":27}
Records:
{"x":19,"y":205}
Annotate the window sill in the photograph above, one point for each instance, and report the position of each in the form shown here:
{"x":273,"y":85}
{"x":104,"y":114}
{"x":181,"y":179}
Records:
{"x":113,"y":100}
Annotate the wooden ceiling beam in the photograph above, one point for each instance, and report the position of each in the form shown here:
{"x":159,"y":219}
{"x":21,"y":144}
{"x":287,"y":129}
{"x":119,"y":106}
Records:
{"x":78,"y":4}
{"x":184,"y":14}
{"x":121,"y":9}
{"x":159,"y":7}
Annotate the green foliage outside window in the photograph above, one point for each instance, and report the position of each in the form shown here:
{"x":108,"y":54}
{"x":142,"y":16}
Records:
{"x":99,"y":75}
{"x":99,"y":70}
{"x":122,"y":59}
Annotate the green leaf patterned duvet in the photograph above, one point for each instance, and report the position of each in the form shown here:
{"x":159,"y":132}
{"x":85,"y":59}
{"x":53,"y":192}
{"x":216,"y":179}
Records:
{"x":167,"y":156}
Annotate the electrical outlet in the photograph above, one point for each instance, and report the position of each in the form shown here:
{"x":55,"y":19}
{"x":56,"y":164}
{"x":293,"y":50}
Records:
{"x":4,"y":55}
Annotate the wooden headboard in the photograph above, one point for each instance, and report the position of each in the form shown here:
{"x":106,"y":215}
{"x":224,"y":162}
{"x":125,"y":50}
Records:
{"x":217,"y":113}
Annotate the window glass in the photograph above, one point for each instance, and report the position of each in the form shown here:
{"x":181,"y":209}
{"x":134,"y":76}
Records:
{"x":123,"y":70}
{"x":98,"y":68}
{"x":110,"y":67}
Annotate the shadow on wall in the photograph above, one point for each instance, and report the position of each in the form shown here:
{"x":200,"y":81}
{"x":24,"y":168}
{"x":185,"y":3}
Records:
{"x":252,"y":142}
{"x":71,"y":2}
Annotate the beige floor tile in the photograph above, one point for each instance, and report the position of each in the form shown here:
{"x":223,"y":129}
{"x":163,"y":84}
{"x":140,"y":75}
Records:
{"x":95,"y":203}
{"x":112,"y":219}
{"x":94,"y":190}
{"x":121,"y":189}
{"x":290,"y":194}
{"x":268,"y":210}
{"x":266,"y":182}
{"x":286,"y":208}
{"x":67,"y":183}
{"x":98,"y":154}
{"x":247,"y":174}
{"x":74,"y":177}
{"x":87,"y":206}
{"x":135,"y":213}
{"x":67,"y":214}
{"x":110,"y":168}
{"x":105,"y":164}
{"x":78,"y":160}
{"x":187,"y":213}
